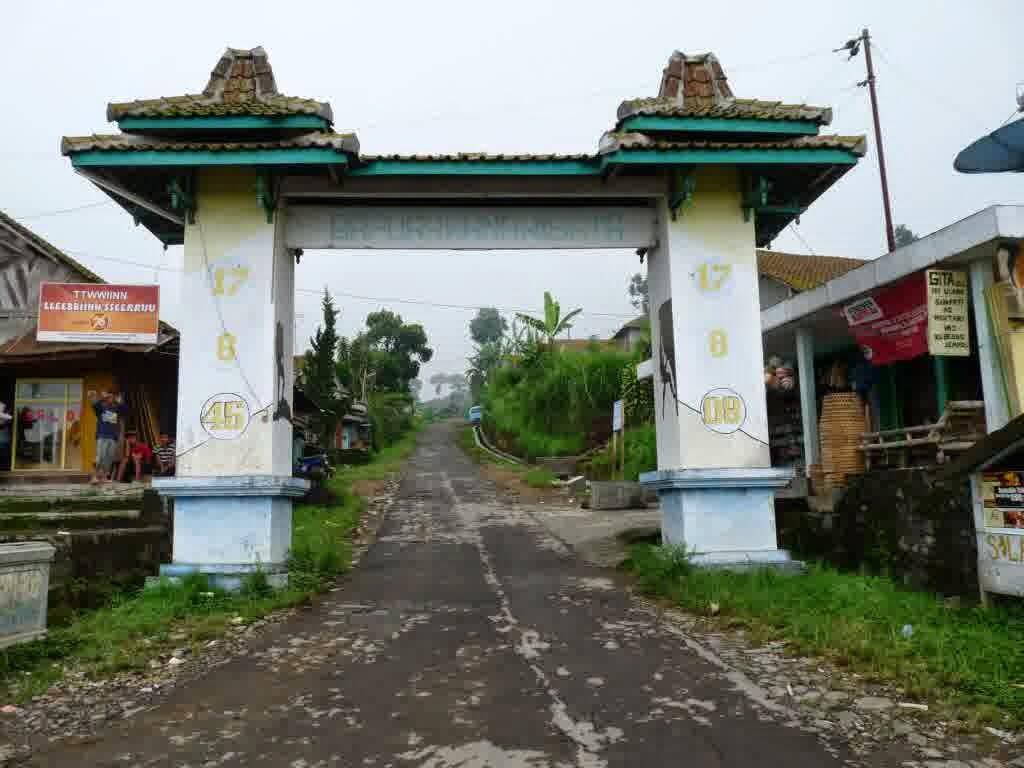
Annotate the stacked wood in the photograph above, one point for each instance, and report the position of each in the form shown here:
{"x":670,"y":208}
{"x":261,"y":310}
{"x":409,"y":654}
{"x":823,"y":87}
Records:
{"x":840,"y":428}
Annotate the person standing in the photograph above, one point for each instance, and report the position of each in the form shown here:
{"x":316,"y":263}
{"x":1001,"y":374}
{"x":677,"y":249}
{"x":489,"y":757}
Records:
{"x":5,"y":438}
{"x":110,"y":413}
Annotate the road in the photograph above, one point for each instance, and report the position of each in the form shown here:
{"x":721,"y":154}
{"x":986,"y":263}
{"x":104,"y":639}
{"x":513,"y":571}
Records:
{"x":466,"y":637}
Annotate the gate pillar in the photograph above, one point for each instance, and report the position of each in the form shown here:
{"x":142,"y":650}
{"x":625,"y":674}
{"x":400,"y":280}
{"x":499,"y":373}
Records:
{"x":234,"y":486}
{"x":714,"y":475}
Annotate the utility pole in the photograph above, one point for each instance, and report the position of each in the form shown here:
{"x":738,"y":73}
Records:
{"x":853,"y":46}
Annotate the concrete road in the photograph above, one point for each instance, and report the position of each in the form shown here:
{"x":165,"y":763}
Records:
{"x":467,"y":637}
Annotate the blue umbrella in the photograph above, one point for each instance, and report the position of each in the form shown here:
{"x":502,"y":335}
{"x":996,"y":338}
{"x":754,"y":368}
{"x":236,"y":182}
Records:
{"x":1001,"y":150}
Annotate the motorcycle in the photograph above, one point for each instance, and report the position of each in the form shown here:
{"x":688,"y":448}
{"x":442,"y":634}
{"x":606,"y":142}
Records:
{"x":315,"y":467}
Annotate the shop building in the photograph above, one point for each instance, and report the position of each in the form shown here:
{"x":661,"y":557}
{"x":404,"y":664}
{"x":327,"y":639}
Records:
{"x":44,"y":386}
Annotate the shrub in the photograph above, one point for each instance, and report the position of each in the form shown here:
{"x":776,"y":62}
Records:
{"x":641,"y":455}
{"x":391,"y":415}
{"x":539,"y":477}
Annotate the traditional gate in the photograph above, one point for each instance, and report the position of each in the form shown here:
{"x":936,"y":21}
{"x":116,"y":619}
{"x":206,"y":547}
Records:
{"x":246,"y":178}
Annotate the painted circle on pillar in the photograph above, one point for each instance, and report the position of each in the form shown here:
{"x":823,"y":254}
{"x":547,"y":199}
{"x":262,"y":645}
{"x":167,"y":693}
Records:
{"x":722,"y":410}
{"x":225,"y":416}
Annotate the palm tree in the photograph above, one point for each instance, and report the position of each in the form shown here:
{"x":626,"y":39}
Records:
{"x":553,"y":323}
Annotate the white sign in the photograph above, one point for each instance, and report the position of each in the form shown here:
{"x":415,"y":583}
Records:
{"x":617,"y":416}
{"x":948,"y":330}
{"x":470,"y":227}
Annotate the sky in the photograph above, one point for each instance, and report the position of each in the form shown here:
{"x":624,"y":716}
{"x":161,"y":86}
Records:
{"x":511,"y":77}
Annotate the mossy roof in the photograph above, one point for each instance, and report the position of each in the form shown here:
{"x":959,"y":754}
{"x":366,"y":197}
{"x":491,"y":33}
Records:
{"x":613,"y":142}
{"x":748,"y":109}
{"x":342,"y":142}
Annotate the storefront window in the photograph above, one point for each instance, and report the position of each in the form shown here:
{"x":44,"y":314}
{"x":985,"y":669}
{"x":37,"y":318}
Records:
{"x":48,"y":424}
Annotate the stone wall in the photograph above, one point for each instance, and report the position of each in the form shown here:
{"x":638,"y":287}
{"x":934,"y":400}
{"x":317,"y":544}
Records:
{"x":903,"y":522}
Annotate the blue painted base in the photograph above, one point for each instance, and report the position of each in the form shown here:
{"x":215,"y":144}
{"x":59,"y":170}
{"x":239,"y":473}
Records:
{"x":725,"y":517}
{"x":228,"y":527}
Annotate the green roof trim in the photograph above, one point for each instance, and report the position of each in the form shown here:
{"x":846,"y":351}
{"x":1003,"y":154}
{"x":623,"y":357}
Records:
{"x":720,"y":125}
{"x":304,"y":122}
{"x":412,"y":167}
{"x":810,"y":156}
{"x":136,"y":158}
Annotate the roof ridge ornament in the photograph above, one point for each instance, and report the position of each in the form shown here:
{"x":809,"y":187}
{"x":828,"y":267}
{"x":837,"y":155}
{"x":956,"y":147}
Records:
{"x":241,"y":75}
{"x":695,"y":80}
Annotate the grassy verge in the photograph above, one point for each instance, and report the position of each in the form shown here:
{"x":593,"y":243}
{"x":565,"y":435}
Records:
{"x":968,"y":661}
{"x":135,"y":628}
{"x":480,"y":456}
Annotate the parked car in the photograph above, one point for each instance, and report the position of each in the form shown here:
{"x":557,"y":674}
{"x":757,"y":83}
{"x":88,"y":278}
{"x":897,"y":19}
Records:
{"x":475,"y":414}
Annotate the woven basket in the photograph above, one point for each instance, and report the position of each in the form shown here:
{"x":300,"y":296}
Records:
{"x":840,"y":428}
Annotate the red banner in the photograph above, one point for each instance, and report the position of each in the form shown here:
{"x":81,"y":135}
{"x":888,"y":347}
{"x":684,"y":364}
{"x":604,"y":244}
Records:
{"x":98,"y":312}
{"x":892,"y":324}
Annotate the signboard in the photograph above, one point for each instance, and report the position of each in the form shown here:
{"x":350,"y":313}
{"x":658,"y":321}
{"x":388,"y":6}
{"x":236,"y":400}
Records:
{"x":999,"y":523}
{"x":948,"y":330}
{"x":617,"y":416}
{"x":98,"y":312}
{"x":1003,"y":499}
{"x":891,"y":325}
{"x":470,"y":227}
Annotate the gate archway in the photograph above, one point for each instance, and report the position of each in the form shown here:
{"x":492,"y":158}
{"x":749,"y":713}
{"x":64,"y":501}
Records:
{"x":246,"y":177}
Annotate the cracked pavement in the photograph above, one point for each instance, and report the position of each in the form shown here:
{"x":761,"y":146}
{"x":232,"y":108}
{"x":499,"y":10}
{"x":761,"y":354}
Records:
{"x":467,"y":636}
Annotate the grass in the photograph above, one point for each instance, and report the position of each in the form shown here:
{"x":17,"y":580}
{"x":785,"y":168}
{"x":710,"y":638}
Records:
{"x":968,"y":661}
{"x":479,"y":455}
{"x":539,"y":477}
{"x":641,"y":456}
{"x":137,"y":627}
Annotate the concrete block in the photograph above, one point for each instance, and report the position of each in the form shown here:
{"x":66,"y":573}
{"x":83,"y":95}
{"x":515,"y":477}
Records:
{"x":616,"y":494}
{"x":24,"y":583}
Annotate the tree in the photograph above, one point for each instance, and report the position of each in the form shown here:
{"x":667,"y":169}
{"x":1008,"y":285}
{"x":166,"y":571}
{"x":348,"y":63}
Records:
{"x":319,"y":373}
{"x":456,"y":382}
{"x":355,"y":369}
{"x":553,"y":322}
{"x":396,"y":350}
{"x":904,"y":235}
{"x":487,"y":326}
{"x":638,"y":293}
{"x":415,"y":387}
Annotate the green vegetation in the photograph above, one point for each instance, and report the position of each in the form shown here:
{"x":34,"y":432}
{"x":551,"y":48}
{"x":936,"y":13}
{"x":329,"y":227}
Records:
{"x":554,"y":402}
{"x":967,"y":660}
{"x":641,"y":456}
{"x":539,"y":477}
{"x":554,"y":323}
{"x":480,"y":456}
{"x":139,"y":626}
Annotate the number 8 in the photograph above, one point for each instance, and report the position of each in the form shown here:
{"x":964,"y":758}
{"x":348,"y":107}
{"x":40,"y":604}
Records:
{"x":719,"y":343}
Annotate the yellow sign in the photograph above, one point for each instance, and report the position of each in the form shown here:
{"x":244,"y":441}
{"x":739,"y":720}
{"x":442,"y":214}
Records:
{"x":1007,"y":547}
{"x":948,"y":331}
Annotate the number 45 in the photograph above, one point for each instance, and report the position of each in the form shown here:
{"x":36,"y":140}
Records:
{"x":225,"y":415}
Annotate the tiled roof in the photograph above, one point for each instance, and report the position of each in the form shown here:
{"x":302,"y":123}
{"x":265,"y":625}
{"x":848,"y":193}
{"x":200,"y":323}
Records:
{"x":750,"y":109}
{"x":800,"y":272}
{"x":612,"y":142}
{"x":26,"y":345}
{"x":342,"y":142}
{"x":24,"y":233}
{"x":242,"y":83}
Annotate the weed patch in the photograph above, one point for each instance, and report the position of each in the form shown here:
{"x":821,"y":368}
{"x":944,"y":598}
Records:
{"x":968,"y":660}
{"x":539,"y":477}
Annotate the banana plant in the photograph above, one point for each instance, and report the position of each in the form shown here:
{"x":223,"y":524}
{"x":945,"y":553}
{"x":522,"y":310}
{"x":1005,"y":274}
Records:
{"x":553,"y":323}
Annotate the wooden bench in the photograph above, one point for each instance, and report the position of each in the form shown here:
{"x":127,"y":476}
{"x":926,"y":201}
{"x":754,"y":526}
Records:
{"x":962,"y":424}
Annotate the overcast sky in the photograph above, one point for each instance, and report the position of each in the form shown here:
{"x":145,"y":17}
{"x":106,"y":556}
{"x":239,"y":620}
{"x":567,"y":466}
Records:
{"x":516,"y":77}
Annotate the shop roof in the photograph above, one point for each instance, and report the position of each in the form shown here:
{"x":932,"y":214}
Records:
{"x":801,"y":272}
{"x":24,"y":233}
{"x":26,"y":346}
{"x":241,"y":83}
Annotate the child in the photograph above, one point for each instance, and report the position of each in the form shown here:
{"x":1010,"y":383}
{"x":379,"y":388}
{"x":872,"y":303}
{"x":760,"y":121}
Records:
{"x":164,"y":457}
{"x":136,"y":452}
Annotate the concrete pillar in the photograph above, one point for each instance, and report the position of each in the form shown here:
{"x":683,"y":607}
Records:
{"x":234,"y":479}
{"x":808,"y":397}
{"x":714,"y":472}
{"x":997,"y":411}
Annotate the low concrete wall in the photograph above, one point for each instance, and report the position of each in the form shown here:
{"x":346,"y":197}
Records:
{"x":103,"y":543}
{"x":616,"y":494}
{"x":901,"y":522}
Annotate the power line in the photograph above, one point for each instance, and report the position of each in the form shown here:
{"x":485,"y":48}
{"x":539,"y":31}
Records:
{"x":426,"y":303}
{"x":44,"y":214}
{"x":807,"y":245}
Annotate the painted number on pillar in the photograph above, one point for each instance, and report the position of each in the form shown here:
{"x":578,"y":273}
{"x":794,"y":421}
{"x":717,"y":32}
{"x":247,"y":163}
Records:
{"x":711,"y":277}
{"x":227,"y":281}
{"x":226,"y":346}
{"x":722,"y":410}
{"x":225,"y":416}
{"x":719,"y":341}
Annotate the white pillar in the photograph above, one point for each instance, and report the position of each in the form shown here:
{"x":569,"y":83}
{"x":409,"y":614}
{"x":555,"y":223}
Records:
{"x":714,"y":469}
{"x":997,"y":412}
{"x":808,"y":397}
{"x":234,"y":486}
